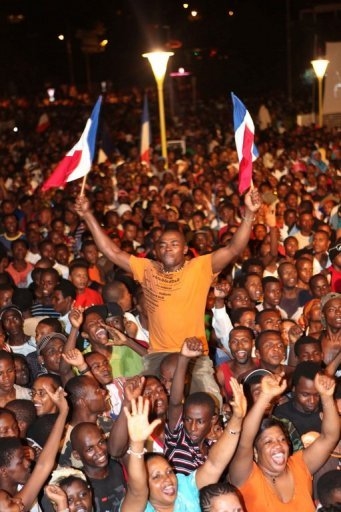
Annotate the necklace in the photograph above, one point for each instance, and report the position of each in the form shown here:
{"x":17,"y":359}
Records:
{"x":164,"y":271}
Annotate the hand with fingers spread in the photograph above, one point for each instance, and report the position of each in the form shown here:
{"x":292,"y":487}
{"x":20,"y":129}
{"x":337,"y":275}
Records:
{"x":273,"y":385}
{"x":139,"y":427}
{"x":116,"y":337}
{"x":75,"y":357}
{"x":192,"y":347}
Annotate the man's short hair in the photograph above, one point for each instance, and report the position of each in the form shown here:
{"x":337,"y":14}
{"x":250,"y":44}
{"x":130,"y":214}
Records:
{"x":326,"y":484}
{"x":200,"y":398}
{"x":261,"y":335}
{"x":306,"y":369}
{"x":306,"y":340}
{"x":67,"y":288}
{"x":24,"y":410}
{"x":8,"y":446}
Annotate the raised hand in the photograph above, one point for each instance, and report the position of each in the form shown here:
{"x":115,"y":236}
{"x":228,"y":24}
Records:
{"x":273,"y":385}
{"x":117,"y":338}
{"x":133,"y":388}
{"x":239,"y":402}
{"x":74,"y":357}
{"x":270,"y":215}
{"x":57,"y":496}
{"x":76,"y":317}
{"x":253,"y":200}
{"x":82,"y":205}
{"x":58,"y":398}
{"x":324,"y":384}
{"x":221,"y":290}
{"x":139,"y":427}
{"x":192,"y":347}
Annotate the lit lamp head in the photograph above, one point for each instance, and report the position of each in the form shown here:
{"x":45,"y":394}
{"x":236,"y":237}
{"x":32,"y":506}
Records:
{"x":320,"y":66}
{"x":158,"y":61}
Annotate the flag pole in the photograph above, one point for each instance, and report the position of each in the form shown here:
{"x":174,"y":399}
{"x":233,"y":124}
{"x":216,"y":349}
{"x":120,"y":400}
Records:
{"x":83,"y":185}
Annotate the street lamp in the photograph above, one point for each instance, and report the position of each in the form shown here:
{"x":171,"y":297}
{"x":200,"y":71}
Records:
{"x":320,"y":66}
{"x":158,"y":61}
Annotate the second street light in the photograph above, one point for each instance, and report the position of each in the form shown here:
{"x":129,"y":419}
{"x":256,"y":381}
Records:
{"x":158,"y":61}
{"x":320,"y":66}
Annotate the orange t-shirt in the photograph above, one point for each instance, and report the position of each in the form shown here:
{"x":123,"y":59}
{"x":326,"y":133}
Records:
{"x":175,"y":301}
{"x":260,"y":497}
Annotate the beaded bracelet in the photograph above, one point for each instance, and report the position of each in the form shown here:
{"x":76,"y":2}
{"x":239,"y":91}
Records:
{"x":139,"y":455}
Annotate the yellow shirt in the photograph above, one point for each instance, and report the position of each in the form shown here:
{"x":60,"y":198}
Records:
{"x":175,"y":301}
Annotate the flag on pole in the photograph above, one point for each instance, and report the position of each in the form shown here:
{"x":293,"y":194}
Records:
{"x":77,"y":162}
{"x":145,"y":133}
{"x":244,"y":133}
{"x":43,"y":123}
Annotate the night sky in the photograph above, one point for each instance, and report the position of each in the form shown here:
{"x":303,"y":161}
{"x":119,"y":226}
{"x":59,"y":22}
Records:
{"x":245,"y":50}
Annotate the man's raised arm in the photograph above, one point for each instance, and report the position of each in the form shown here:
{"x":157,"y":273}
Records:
{"x":103,"y":242}
{"x":223,"y":256}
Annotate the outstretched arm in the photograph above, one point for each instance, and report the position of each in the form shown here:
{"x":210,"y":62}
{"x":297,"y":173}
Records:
{"x":223,"y":256}
{"x":139,"y":430}
{"x":318,"y":452}
{"x":103,"y":242}
{"x":118,"y":438}
{"x":241,"y":465}
{"x":192,"y":347}
{"x":46,"y":461}
{"x":223,"y":450}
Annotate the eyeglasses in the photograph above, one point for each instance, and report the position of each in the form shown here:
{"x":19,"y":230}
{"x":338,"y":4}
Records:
{"x":39,"y":392}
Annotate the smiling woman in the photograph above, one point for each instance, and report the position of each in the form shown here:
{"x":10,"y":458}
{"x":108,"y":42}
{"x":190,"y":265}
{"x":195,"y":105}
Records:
{"x":262,"y":459}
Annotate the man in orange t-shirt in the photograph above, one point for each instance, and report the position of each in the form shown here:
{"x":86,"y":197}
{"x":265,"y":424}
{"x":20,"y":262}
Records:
{"x":176,"y":289}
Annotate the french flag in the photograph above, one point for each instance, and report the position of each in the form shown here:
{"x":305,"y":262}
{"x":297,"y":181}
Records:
{"x":145,"y":133}
{"x":77,"y":162}
{"x":244,"y":134}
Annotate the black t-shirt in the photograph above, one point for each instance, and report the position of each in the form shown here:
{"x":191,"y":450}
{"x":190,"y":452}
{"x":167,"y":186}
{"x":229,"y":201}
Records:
{"x":109,"y":492}
{"x":303,"y":421}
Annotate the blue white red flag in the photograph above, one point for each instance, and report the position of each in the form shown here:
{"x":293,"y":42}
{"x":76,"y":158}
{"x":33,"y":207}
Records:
{"x":43,"y":123}
{"x":77,"y":162}
{"x":244,"y":133}
{"x":145,"y":133}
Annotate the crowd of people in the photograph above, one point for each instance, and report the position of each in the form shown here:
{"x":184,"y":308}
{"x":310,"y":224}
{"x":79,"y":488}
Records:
{"x":167,"y":344}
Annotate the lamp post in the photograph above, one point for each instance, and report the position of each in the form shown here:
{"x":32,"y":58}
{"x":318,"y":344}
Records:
{"x":320,"y":66}
{"x":158,"y":61}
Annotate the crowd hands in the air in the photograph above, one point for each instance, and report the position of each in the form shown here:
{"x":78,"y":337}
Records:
{"x":78,"y":311}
